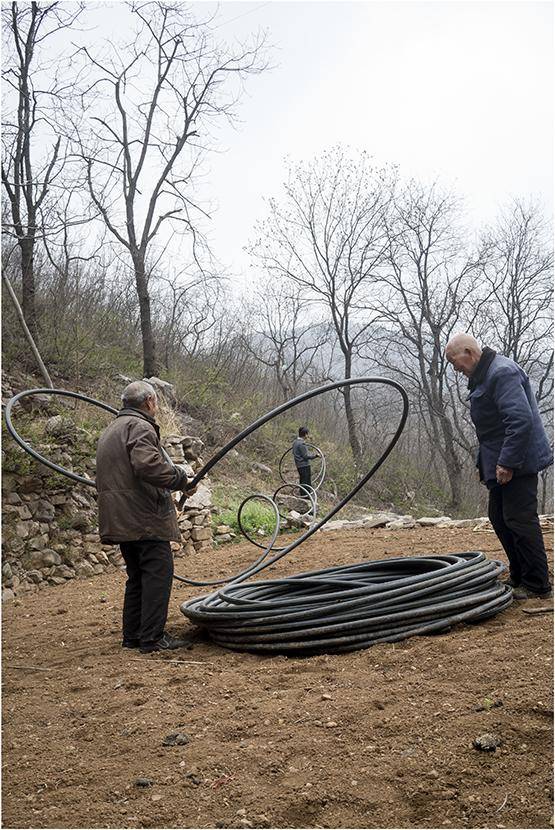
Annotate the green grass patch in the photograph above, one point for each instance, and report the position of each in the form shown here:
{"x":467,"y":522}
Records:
{"x":257,"y":519}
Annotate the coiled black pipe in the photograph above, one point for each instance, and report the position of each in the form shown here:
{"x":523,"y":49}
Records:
{"x":354,"y":606}
{"x":306,"y":492}
{"x":320,"y":475}
{"x":336,"y":609}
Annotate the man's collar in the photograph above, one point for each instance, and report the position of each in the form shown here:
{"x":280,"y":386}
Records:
{"x":139,"y":413}
{"x":480,"y":372}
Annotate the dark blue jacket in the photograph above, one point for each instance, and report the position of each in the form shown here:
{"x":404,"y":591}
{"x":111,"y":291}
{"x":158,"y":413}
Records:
{"x":507,"y":421}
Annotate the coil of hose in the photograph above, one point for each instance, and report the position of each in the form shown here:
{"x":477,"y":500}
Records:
{"x":337,"y":609}
{"x":351,"y":607}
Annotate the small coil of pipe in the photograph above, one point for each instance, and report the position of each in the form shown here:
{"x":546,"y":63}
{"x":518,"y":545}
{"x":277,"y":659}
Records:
{"x":296,"y":493}
{"x":351,"y":607}
{"x":287,"y":491}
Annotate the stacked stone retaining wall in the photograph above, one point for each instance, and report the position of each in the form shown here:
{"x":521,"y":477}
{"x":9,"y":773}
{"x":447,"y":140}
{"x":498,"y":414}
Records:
{"x":50,"y":530}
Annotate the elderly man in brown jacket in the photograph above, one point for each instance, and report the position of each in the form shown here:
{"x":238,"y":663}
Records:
{"x":136,"y":511}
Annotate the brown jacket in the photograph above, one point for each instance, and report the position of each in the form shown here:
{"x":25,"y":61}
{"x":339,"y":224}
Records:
{"x":134,"y":480}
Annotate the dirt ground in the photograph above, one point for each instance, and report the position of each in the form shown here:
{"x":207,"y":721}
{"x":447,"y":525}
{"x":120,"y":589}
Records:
{"x":84,"y":719}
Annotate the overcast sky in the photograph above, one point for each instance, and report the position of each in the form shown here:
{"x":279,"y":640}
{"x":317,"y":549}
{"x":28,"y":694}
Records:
{"x":458,"y":91}
{"x":462,"y":91}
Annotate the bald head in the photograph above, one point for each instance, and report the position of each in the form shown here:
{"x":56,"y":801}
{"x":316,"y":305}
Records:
{"x":463,"y":351}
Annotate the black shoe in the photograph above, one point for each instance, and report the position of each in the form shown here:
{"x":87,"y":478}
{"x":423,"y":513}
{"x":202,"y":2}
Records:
{"x":130,"y":643}
{"x":165,"y":643}
{"x":512,"y":583}
{"x":521,"y":594}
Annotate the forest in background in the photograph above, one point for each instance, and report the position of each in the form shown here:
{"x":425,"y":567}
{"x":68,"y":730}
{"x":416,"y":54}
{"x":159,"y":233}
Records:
{"x":356,"y":270}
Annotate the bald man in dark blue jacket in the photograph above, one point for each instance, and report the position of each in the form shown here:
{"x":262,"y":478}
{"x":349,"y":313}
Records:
{"x":513,"y":448}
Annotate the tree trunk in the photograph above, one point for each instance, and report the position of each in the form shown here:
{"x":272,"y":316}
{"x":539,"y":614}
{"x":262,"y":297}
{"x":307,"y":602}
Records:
{"x":28,"y":284}
{"x":351,"y":424}
{"x":454,"y":472}
{"x":150,"y":366}
{"x":452,"y":464}
{"x":352,"y":430}
{"x":285,"y":387}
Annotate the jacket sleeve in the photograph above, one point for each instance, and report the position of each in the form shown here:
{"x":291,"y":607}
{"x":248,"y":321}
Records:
{"x":147,"y":461}
{"x":512,"y":404}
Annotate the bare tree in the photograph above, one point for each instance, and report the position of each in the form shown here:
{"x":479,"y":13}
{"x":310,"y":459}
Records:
{"x":149,"y":109}
{"x":328,"y":237}
{"x":428,"y":281}
{"x":281,"y":335}
{"x":516,"y":314}
{"x":190,"y":308}
{"x":28,"y":170}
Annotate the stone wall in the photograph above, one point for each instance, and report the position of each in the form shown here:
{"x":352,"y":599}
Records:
{"x":50,"y":531}
{"x":196,"y":519}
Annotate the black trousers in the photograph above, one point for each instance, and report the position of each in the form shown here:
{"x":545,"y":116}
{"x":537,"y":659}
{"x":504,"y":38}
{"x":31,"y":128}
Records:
{"x":147,"y":590}
{"x":513,"y":513}
{"x":305,"y":477}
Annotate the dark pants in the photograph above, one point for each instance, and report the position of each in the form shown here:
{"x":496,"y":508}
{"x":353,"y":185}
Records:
{"x":305,"y":477}
{"x":147,"y":590}
{"x":513,"y":512}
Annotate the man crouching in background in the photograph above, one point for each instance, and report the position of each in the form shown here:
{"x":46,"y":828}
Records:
{"x":136,"y":511}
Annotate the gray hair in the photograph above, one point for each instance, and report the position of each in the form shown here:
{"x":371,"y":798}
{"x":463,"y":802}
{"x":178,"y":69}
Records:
{"x":136,"y":393}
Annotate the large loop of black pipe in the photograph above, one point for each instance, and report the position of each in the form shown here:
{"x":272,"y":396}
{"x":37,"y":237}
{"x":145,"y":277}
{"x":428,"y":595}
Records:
{"x":265,"y":560}
{"x":36,"y":455}
{"x":306,"y":396}
{"x":28,"y":448}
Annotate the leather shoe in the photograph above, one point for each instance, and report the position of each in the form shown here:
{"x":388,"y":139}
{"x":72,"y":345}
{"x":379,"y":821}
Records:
{"x":521,"y":594}
{"x":165,"y":643}
{"x":130,"y":643}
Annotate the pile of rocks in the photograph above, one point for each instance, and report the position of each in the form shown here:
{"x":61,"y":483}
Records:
{"x":295,"y":520}
{"x":392,"y":521}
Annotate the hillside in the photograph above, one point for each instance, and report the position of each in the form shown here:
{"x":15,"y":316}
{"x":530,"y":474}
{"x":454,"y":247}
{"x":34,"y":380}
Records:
{"x":216,"y":416}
